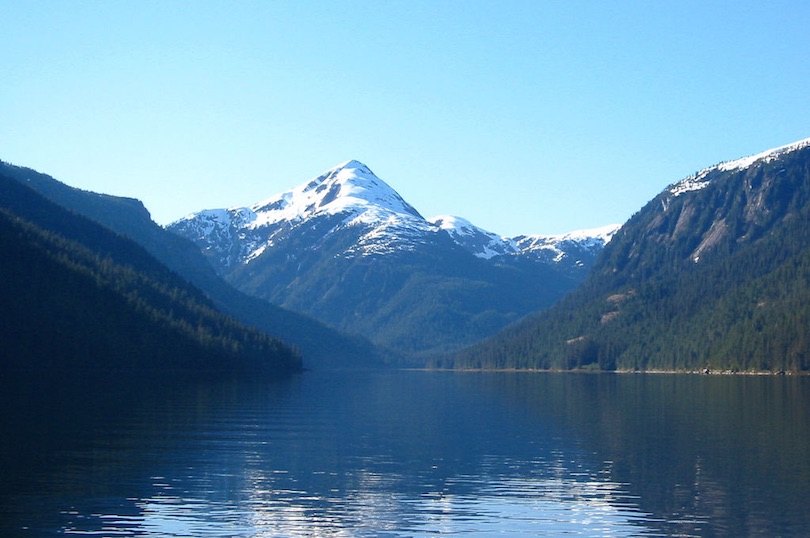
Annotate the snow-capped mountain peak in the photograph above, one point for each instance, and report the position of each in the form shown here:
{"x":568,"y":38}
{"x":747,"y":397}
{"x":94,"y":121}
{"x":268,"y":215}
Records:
{"x":347,"y":195}
{"x":349,"y":187}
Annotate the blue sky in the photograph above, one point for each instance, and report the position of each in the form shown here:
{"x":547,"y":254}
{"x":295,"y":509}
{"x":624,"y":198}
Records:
{"x":521,"y":116}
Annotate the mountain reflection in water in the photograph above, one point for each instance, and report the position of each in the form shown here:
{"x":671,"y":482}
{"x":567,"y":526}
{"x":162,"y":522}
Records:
{"x":410,"y":454}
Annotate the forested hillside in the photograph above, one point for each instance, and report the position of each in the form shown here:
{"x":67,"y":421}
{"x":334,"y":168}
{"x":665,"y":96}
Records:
{"x":321,"y":346}
{"x":712,"y":273}
{"x":77,"y":297}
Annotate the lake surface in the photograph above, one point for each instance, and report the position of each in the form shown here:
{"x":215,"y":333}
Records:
{"x":397,"y":454}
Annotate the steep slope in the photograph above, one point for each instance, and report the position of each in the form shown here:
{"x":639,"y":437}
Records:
{"x":321,"y":346}
{"x":77,"y":297}
{"x":348,"y":250}
{"x":712,"y":273}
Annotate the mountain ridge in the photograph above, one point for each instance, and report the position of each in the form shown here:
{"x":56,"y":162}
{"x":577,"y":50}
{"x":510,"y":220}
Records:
{"x":346,"y":248}
{"x":698,"y":180}
{"x":353,"y":190}
{"x":710,"y":277}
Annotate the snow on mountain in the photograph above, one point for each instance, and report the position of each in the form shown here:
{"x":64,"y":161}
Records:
{"x":349,"y":187}
{"x":351,"y":195}
{"x":558,"y":247}
{"x":353,"y":190}
{"x":478,"y":241}
{"x":700,"y":180}
{"x":349,"y":190}
{"x":487,"y":245}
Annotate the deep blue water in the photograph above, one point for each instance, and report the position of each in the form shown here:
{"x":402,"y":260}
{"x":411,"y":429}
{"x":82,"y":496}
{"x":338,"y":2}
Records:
{"x":409,"y":454}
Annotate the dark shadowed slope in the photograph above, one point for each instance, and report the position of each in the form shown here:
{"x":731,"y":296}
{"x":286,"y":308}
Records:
{"x":78,"y":297}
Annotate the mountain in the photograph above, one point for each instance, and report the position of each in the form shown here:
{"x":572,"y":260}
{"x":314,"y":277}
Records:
{"x":321,"y":346}
{"x":79,"y":298}
{"x":348,"y":250}
{"x":572,"y":253}
{"x":714,"y":272}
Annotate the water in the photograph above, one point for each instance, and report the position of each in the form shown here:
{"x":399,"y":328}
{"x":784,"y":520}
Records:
{"x":397,"y":454}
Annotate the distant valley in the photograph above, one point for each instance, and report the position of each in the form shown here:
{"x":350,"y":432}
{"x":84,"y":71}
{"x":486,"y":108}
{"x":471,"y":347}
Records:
{"x":347,"y":249}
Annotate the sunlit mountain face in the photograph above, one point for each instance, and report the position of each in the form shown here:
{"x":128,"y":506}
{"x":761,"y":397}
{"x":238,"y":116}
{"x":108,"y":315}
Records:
{"x":347,"y":249}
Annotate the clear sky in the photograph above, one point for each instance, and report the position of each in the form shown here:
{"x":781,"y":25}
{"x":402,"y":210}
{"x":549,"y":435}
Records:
{"x":522,"y":116}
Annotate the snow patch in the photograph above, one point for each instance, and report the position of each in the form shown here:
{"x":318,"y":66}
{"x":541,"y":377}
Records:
{"x":480,"y":242}
{"x":699,"y":181}
{"x":589,"y":237}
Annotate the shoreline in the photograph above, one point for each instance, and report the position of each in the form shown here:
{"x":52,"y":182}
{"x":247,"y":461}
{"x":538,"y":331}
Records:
{"x":706,"y":371}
